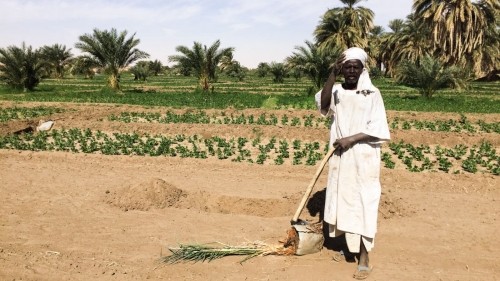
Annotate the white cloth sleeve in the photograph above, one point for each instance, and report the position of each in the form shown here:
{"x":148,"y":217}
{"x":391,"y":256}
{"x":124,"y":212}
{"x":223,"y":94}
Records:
{"x":377,"y":125}
{"x":324,"y":113}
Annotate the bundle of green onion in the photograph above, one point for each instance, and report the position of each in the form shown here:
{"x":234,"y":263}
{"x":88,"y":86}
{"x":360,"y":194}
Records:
{"x":217,"y":250}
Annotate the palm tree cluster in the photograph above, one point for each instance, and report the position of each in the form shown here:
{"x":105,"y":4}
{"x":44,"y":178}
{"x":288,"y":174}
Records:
{"x":23,"y":67}
{"x":56,"y":58}
{"x":463,"y":33}
{"x":449,"y":33}
{"x":143,"y":69}
{"x":20,"y":67}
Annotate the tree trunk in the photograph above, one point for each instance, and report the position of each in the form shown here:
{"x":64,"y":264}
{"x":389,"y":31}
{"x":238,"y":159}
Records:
{"x":204,"y":82}
{"x":114,"y":81}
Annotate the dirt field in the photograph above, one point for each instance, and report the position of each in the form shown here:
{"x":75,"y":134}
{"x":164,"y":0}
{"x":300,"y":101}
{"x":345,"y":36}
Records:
{"x":75,"y":216}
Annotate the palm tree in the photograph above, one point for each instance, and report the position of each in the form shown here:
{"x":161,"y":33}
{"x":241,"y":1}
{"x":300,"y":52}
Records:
{"x":486,"y":59}
{"x":202,"y":60}
{"x":155,"y":67}
{"x":389,"y":44}
{"x":262,"y":69}
{"x":396,"y":25}
{"x":410,"y":43}
{"x":374,"y":46}
{"x":227,"y":61}
{"x":20,"y":67}
{"x":235,"y":70}
{"x":84,"y":65}
{"x":141,"y":70}
{"x":429,"y":75}
{"x":279,"y":71}
{"x":344,"y":27}
{"x":312,"y":61}
{"x":56,"y":58}
{"x":113,"y":51}
{"x":458,"y":26}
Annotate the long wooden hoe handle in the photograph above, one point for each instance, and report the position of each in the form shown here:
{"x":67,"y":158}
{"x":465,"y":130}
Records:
{"x":311,"y":185}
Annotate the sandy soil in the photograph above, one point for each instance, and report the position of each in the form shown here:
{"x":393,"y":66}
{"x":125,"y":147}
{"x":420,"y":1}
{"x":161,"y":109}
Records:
{"x":67,"y":216}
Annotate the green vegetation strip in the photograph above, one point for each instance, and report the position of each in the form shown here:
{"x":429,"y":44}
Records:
{"x":201,"y":117}
{"x":11,"y":113}
{"x":181,"y":92}
{"x":216,"y":100}
{"x":477,"y":158}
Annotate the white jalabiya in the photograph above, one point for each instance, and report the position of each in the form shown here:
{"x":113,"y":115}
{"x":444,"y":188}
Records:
{"x":353,"y":191}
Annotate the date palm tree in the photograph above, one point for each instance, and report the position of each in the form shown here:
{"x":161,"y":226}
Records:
{"x":429,"y":75}
{"x":113,"y":50}
{"x":202,"y":60}
{"x":485,"y":60}
{"x":279,"y":71}
{"x":411,"y":42}
{"x":84,"y":65}
{"x":56,"y":57}
{"x":388,"y":44}
{"x":156,"y":67}
{"x":458,"y":26}
{"x":20,"y":67}
{"x":396,"y":25}
{"x":262,"y":69}
{"x":374,"y":45}
{"x":313,"y":62}
{"x":345,"y":27}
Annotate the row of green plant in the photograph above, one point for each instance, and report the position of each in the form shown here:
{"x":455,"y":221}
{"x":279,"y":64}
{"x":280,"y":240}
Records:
{"x":237,"y":149}
{"x":477,"y":158}
{"x":10,"y":113}
{"x":201,"y":117}
{"x":482,"y":157}
{"x":450,"y":125}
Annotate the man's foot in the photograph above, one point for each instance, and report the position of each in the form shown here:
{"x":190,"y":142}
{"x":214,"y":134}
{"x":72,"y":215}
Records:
{"x":338,"y":256}
{"x":362,"y":272}
{"x":343,"y":256}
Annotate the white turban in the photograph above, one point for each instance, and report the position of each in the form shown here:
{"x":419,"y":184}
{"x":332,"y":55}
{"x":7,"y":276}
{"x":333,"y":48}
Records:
{"x":355,"y":53}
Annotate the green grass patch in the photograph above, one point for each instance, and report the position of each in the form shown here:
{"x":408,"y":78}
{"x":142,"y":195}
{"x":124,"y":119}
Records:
{"x":11,"y":113}
{"x":181,"y":92}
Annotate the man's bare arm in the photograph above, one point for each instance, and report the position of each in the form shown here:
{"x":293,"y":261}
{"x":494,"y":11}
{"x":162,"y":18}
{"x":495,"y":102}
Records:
{"x":326,"y":92}
{"x":348,"y":142}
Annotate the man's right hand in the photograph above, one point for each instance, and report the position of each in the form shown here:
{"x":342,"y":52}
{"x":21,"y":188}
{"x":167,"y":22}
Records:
{"x":337,"y":67}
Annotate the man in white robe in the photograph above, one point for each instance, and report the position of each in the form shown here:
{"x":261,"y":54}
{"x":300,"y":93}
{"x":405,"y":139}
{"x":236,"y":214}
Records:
{"x":359,"y":126}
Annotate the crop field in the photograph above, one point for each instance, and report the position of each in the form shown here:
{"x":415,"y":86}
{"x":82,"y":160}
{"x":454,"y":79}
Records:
{"x":121,"y":177}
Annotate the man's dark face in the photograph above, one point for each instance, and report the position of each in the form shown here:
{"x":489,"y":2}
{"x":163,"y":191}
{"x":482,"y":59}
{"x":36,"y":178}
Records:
{"x":351,"y":70}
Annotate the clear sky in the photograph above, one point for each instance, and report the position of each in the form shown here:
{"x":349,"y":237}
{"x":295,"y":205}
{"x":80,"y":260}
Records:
{"x":259,"y":30}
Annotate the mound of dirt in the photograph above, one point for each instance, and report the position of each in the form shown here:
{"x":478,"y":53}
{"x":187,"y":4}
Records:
{"x":155,"y":193}
{"x":159,"y":194}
